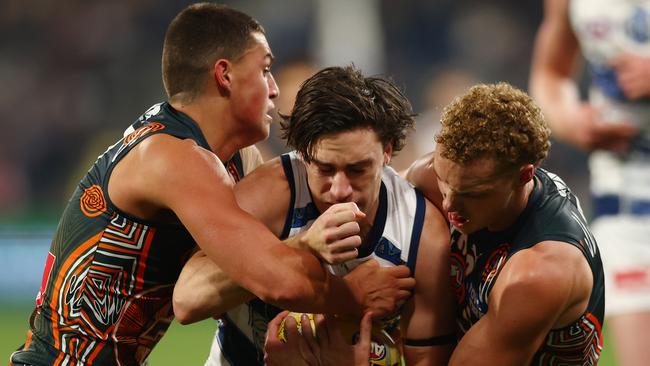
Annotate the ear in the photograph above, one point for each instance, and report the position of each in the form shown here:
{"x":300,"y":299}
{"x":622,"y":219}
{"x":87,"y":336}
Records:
{"x":526,"y":173}
{"x":222,"y":72}
{"x":388,"y":153}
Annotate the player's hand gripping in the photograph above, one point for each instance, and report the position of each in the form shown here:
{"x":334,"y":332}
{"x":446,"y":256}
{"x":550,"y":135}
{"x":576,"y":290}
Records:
{"x":591,"y":132}
{"x":327,"y":348}
{"x":334,"y":236}
{"x":380,"y":290}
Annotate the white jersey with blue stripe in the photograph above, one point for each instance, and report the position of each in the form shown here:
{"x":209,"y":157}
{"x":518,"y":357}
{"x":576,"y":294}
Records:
{"x":393,"y":239}
{"x":605,"y":30}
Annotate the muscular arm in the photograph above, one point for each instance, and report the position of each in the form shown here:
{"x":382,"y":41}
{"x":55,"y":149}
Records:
{"x":203,"y":290}
{"x":533,"y":294}
{"x":429,"y":316}
{"x":555,"y":57}
{"x":177,"y":175}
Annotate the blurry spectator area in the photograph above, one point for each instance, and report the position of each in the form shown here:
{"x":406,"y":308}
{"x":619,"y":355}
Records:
{"x":76,"y":73}
{"x":23,"y":251}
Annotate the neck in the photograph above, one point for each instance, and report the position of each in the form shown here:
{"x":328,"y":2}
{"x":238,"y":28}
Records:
{"x":515,"y":208}
{"x":216,"y":124}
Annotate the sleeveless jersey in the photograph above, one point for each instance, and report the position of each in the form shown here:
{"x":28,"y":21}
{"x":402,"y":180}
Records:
{"x":605,"y":29}
{"x":105,"y":298}
{"x":394,"y":240}
{"x":552,"y":213}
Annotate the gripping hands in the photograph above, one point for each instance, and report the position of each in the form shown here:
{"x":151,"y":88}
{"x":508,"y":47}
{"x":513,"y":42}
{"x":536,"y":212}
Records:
{"x":334,"y":236}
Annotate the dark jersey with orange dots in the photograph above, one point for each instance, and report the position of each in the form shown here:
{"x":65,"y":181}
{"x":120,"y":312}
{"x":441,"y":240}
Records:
{"x":105,"y":297}
{"x":552,"y":213}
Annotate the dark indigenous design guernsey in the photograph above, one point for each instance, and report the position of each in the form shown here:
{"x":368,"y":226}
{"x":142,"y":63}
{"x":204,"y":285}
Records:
{"x":107,"y":286}
{"x":552,"y":213}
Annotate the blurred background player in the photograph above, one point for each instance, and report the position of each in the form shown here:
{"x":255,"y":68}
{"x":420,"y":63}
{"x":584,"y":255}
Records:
{"x":614,"y":124}
{"x":345,"y":128}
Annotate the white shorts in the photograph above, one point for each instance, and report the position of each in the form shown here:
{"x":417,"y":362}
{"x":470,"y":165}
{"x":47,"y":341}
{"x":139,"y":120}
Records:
{"x":624,"y":243}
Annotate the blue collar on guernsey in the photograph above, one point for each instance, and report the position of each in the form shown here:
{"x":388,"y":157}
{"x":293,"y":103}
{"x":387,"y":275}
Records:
{"x":377,"y":226}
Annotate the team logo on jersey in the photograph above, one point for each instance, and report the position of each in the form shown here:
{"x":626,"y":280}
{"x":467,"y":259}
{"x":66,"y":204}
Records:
{"x":148,"y":128}
{"x":377,"y":351}
{"x":92,"y":201}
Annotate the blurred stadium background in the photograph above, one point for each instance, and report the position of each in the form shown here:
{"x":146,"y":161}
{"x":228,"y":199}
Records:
{"x":76,"y":73}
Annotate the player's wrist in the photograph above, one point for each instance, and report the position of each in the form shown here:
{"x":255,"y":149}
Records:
{"x":346,"y":295}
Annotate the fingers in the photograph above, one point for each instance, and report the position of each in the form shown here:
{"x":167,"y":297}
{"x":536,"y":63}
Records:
{"x":323,"y":332}
{"x":406,"y":283}
{"x":399,"y":271}
{"x":309,"y":338}
{"x":365,"y":330}
{"x":350,"y":207}
{"x":346,"y":244}
{"x":273,"y":329}
{"x":340,"y":218}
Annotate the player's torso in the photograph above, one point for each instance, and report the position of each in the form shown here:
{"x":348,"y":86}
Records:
{"x":394,"y":239}
{"x":106,"y":295}
{"x":478,"y":259}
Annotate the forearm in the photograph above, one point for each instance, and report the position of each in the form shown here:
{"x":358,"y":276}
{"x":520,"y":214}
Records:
{"x":312,"y":289}
{"x":559,"y":98}
{"x":203,"y":291}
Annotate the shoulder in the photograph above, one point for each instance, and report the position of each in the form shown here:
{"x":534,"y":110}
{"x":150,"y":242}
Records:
{"x":550,"y":277}
{"x":421,"y":170}
{"x":270,"y":173}
{"x":265,"y":194}
{"x":422,"y":175}
{"x":170,"y":158}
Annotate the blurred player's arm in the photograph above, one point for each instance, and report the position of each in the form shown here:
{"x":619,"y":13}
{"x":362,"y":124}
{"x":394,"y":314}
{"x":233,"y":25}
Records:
{"x":534,"y":293}
{"x":427,"y":323}
{"x":164,"y":172}
{"x":552,"y":84}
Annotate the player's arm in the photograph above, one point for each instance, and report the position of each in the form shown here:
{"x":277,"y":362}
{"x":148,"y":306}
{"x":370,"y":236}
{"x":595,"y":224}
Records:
{"x":534,"y":293}
{"x":192,"y":183}
{"x":552,"y":84}
{"x":422,"y":175}
{"x":427,"y":323}
{"x":203,"y":290}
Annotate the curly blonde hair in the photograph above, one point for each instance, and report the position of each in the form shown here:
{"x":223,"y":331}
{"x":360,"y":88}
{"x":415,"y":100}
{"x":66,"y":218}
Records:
{"x":494,"y":121}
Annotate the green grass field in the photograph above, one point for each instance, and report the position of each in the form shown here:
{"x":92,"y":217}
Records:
{"x":182,"y":345}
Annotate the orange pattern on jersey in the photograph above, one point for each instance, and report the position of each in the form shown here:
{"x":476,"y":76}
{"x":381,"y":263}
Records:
{"x":148,"y":128}
{"x":232,"y":169}
{"x":61,"y":277}
{"x":92,"y":201}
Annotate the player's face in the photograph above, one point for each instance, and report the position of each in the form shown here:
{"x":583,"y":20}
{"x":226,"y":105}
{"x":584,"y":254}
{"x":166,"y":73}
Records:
{"x":346,"y":167}
{"x":476,"y":195}
{"x":253,"y":89}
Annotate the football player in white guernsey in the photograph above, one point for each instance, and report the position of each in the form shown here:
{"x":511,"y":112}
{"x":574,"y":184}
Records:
{"x":613,"y":36}
{"x":344,"y":128}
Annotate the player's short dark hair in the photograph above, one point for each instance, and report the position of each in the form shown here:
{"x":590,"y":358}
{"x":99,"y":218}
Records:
{"x":338,"y":99}
{"x":198,"y":36}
